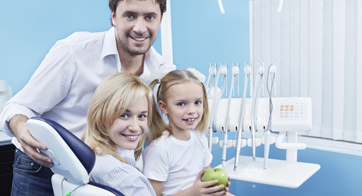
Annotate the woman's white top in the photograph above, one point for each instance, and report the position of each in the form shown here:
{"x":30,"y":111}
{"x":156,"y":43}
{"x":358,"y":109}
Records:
{"x":126,"y":178}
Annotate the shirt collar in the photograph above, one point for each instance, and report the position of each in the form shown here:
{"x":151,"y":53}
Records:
{"x":125,"y":153}
{"x":153,"y":60}
{"x":109,"y":44}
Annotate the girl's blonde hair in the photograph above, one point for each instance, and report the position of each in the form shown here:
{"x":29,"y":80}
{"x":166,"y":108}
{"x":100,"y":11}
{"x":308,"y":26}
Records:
{"x":115,"y":94}
{"x":157,"y":125}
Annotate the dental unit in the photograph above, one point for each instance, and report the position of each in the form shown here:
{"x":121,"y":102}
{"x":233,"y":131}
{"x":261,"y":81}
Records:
{"x":257,"y":120}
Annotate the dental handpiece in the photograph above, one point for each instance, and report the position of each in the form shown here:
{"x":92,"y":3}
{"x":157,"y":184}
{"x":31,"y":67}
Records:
{"x":254,"y":110}
{"x":247,"y":71}
{"x":235,"y":71}
{"x":254,"y":123}
{"x":253,"y":130}
{"x":266,"y":149}
{"x":212,"y":73}
{"x":238,"y":144}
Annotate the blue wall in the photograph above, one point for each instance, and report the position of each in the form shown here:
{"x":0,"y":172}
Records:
{"x":28,"y":29}
{"x":201,"y":35}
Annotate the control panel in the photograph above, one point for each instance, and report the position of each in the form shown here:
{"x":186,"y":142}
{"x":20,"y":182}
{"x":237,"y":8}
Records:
{"x":288,"y":114}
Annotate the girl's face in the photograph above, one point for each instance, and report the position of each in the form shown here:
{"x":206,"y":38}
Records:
{"x":127,"y":130}
{"x":184,"y":106}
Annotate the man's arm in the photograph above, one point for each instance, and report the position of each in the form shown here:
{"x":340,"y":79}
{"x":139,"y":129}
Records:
{"x":17,"y":125}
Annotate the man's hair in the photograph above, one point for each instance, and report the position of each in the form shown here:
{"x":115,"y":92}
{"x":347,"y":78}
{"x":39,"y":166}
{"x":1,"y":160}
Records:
{"x":114,"y":3}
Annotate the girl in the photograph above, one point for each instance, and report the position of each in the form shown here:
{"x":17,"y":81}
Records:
{"x":178,"y":150}
{"x":117,"y":120}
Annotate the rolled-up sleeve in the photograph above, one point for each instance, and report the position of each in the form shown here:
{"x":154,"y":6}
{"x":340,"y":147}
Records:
{"x":10,"y":110}
{"x":46,"y":88}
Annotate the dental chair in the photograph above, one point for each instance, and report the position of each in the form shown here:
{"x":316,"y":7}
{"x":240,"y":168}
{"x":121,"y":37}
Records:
{"x":73,"y":160}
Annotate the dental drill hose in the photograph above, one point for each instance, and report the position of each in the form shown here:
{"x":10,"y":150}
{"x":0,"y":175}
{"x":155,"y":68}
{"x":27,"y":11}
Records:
{"x":267,"y":133}
{"x":241,"y":120}
{"x":223,"y":156}
{"x":215,"y":103}
{"x":254,"y":110}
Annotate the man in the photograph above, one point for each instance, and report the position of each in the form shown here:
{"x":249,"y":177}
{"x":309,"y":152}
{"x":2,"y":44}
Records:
{"x":62,"y":86}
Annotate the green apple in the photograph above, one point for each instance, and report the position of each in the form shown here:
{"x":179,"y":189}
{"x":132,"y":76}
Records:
{"x":216,"y":174}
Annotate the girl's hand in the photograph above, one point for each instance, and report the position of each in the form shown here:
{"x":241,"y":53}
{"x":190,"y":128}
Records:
{"x":203,"y":188}
{"x":227,"y":188}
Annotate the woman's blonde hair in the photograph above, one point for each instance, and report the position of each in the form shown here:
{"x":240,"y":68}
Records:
{"x":112,"y":97}
{"x":157,"y":125}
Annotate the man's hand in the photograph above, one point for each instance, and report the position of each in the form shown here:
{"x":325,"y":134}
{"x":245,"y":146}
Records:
{"x":18,"y":126}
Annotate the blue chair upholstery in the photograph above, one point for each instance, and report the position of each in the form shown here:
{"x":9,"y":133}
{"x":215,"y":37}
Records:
{"x":83,"y":152}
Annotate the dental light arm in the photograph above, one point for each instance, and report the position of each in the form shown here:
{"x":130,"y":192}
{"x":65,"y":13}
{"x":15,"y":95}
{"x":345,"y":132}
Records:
{"x":221,"y":7}
{"x":280,"y":6}
{"x":223,"y":71}
{"x":235,"y":71}
{"x":247,"y":71}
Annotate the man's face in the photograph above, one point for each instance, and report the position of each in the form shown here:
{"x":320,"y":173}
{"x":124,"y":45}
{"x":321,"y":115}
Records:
{"x":136,"y":25}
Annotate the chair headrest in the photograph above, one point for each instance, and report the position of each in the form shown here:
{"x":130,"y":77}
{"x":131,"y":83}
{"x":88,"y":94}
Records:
{"x":72,"y":158}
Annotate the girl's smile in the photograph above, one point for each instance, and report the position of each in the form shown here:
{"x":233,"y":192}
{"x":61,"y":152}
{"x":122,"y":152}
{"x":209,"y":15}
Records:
{"x":190,"y":121}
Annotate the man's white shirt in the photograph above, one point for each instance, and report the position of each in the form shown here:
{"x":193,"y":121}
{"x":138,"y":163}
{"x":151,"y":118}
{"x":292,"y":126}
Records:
{"x":62,"y":86}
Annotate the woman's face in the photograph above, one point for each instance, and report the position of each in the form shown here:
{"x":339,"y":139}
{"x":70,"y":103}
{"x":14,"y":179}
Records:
{"x":127,"y":130}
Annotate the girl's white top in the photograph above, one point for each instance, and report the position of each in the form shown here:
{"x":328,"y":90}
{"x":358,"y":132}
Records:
{"x":176,"y":162}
